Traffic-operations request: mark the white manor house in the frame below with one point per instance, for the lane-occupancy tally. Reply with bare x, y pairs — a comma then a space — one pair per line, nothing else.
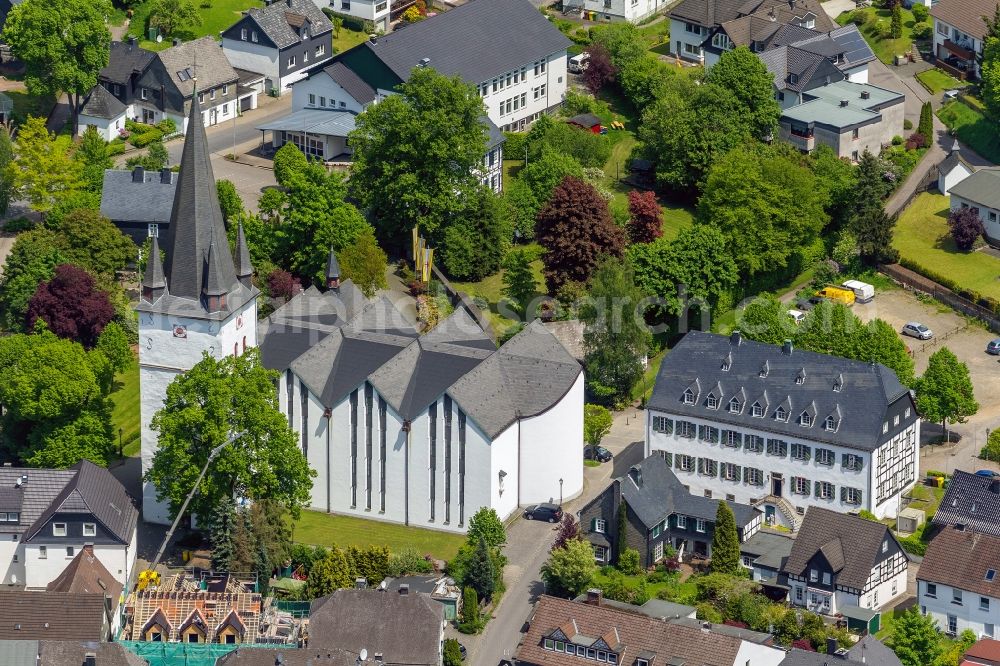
416, 429
783, 429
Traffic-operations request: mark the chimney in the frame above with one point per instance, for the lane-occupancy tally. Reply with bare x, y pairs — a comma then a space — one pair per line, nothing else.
177, 41
90, 659
378, 658
404, 589
133, 41
786, 348
735, 338
843, 103
960, 527
138, 175
360, 583
166, 175
595, 596
635, 473
865, 94
373, 38
831, 646
706, 627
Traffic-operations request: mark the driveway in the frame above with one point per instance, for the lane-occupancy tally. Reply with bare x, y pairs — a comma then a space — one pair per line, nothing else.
528, 545
835, 8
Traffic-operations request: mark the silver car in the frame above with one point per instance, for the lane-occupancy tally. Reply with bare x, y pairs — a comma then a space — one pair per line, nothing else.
917, 330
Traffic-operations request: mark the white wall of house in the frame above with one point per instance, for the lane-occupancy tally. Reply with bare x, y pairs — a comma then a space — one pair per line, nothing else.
618, 10
370, 10
947, 180
945, 31
319, 91
857, 74
881, 593
686, 39
514, 99
253, 57
107, 128
551, 449
756, 654
975, 612
989, 216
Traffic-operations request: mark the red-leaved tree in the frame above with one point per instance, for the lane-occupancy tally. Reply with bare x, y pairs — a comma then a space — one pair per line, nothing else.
71, 305
966, 227
576, 230
600, 70
569, 529
645, 217
282, 284
803, 644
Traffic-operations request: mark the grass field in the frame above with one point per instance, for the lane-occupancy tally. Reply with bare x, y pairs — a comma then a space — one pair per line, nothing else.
490, 289
325, 529
125, 415
348, 39
885, 48
973, 129
922, 237
218, 16
937, 81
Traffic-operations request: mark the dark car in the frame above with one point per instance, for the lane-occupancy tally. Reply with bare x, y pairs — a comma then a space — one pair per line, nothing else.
549, 512
993, 347
465, 653
599, 453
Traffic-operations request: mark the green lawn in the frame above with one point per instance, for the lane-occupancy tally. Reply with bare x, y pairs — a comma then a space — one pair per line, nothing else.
217, 17
26, 105
125, 414
922, 238
926, 499
348, 39
885, 48
644, 388
490, 289
937, 81
973, 129
325, 529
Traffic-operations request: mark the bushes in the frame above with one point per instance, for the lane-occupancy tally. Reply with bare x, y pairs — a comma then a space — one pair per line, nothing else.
921, 30
920, 13
628, 562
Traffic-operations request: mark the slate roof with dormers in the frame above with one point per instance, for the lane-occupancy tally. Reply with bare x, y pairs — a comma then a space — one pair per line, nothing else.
281, 21
961, 558
201, 58
851, 545
971, 500
125, 60
632, 635
867, 391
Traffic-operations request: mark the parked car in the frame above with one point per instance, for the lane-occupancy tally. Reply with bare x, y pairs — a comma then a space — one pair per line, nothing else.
993, 347
465, 653
917, 330
545, 511
578, 63
839, 294
988, 473
598, 453
798, 316
863, 292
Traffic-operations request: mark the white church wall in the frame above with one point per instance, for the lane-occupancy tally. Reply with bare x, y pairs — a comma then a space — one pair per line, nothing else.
503, 458
551, 446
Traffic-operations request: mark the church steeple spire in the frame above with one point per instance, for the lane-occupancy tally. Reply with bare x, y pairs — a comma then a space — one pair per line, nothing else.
153, 280
332, 271
244, 268
196, 223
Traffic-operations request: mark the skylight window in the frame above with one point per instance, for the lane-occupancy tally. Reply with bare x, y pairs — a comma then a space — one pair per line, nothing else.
990, 575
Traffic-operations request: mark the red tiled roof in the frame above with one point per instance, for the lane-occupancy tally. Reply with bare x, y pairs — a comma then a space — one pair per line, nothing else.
985, 650
960, 558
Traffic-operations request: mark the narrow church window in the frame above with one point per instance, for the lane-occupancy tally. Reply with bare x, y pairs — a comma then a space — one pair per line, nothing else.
354, 448
447, 459
461, 467
432, 453
244, 344
368, 445
236, 349
304, 396
381, 458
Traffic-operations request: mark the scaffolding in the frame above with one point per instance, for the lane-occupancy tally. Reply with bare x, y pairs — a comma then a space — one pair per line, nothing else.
185, 654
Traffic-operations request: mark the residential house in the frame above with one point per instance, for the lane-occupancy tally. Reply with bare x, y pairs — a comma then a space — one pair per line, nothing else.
660, 514
839, 562
971, 501
380, 13
783, 429
441, 589
695, 22
198, 608
981, 192
765, 554
564, 633
399, 627
58, 616
281, 41
953, 169
139, 202
797, 657
802, 59
86, 575
51, 515
873, 652
959, 31
518, 83
102, 111
67, 653
984, 652
957, 583
120, 77
167, 85
633, 11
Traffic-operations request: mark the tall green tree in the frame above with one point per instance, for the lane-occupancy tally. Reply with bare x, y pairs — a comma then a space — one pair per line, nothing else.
222, 533
91, 241
93, 155
480, 575
989, 77
519, 283
470, 621
170, 15
6, 177
416, 155
452, 653
596, 424
744, 74
216, 400
896, 21
64, 45
615, 338
33, 259
836, 179
473, 246
485, 524
229, 199
364, 263
926, 125
725, 542
766, 319
289, 161
569, 571
329, 574
915, 638
43, 171
944, 392
869, 223
880, 343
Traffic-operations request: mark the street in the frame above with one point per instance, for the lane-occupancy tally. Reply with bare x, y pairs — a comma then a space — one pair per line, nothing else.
220, 137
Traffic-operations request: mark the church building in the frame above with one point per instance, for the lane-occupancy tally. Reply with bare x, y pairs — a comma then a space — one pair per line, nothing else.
422, 430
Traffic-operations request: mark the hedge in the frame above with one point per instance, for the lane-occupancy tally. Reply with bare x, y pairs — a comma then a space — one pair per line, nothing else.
988, 302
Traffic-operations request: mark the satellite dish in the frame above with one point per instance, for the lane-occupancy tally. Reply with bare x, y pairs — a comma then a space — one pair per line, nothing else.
363, 654
159, 38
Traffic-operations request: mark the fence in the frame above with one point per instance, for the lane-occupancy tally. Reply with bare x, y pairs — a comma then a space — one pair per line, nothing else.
896, 204
298, 609
917, 282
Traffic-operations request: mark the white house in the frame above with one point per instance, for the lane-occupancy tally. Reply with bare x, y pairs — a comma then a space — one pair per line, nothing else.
958, 584
615, 10
379, 12
783, 429
981, 192
959, 31
104, 112
953, 169
200, 299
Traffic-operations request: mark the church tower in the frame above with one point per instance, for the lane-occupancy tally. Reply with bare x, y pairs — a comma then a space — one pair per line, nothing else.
195, 299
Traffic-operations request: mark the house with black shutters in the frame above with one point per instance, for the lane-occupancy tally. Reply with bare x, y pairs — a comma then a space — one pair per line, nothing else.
280, 41
659, 513
840, 561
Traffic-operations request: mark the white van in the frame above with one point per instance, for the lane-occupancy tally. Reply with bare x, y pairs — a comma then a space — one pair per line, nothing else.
578, 63
798, 316
863, 292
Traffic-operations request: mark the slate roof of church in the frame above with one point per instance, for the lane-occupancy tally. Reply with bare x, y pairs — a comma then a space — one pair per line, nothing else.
697, 361
971, 500
125, 200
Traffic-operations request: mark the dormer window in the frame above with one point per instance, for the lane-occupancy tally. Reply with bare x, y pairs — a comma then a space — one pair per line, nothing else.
793, 78
801, 377
805, 419
830, 424
734, 406
780, 414
712, 402
838, 383
764, 369
757, 410
727, 362
688, 397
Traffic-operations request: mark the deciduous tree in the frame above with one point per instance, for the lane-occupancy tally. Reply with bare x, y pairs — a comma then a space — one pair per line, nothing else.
544, 173
596, 424
944, 392
63, 44
219, 400
288, 162
576, 230
569, 570
93, 154
71, 306
43, 171
569, 529
645, 217
725, 542
170, 15
915, 638
229, 199
599, 72
766, 319
472, 247
879, 343
989, 77
745, 75
91, 241
282, 284
33, 259
6, 177
364, 262
966, 227
329, 574
485, 524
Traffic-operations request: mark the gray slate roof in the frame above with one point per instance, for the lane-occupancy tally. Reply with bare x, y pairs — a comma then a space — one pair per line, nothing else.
405, 629
102, 104
72, 653
125, 59
850, 544
149, 201
350, 82
970, 500
862, 402
205, 59
476, 41
797, 657
873, 652
769, 549
314, 121
982, 187
274, 20
244, 656
662, 494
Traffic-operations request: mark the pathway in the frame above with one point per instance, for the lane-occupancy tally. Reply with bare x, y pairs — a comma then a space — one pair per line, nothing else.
835, 8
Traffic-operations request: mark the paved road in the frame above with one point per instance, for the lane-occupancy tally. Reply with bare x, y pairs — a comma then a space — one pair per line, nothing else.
529, 543
220, 137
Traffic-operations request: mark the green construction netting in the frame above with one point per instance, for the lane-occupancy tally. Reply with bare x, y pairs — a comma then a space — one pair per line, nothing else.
186, 654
